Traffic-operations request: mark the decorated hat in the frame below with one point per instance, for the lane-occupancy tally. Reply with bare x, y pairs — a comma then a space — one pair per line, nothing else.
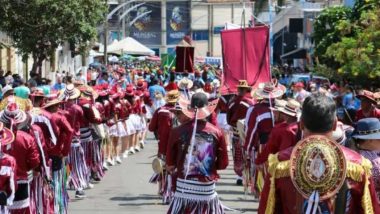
37, 92
13, 114
6, 89
199, 104
6, 135
141, 84
88, 92
185, 83
291, 108
70, 92
158, 165
317, 167
367, 95
367, 129
243, 84
270, 90
52, 103
339, 134
172, 96
129, 91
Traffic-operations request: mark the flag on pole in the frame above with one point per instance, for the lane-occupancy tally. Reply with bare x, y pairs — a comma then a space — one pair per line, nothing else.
245, 56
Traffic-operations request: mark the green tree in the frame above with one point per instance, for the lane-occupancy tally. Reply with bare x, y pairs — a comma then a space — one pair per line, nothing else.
326, 32
358, 52
38, 27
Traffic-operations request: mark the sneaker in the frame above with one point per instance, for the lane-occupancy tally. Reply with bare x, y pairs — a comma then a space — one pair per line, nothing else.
118, 160
90, 186
239, 182
105, 166
79, 194
125, 154
137, 149
132, 151
142, 144
110, 162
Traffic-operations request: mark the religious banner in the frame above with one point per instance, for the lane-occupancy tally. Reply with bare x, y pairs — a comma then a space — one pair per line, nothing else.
178, 21
146, 23
245, 56
184, 59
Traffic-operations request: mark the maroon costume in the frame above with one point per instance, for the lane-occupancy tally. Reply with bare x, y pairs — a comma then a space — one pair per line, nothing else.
282, 136
196, 168
8, 183
375, 112
288, 200
162, 122
237, 109
24, 149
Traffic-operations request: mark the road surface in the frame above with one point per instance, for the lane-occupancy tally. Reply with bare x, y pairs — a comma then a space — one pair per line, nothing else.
125, 189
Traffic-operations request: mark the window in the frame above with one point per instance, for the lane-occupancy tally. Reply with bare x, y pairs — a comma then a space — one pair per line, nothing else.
200, 35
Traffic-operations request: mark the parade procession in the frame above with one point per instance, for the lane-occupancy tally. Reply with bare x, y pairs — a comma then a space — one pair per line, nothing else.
161, 126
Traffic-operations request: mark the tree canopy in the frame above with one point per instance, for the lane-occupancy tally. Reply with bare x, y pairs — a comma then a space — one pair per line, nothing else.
38, 27
348, 40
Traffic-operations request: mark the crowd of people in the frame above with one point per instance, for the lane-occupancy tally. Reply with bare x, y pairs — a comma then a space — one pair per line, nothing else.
314, 149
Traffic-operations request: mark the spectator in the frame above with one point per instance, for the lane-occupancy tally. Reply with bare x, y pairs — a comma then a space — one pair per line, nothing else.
2, 78
32, 82
59, 85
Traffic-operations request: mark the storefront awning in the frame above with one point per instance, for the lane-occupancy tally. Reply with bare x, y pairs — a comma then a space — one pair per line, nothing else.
299, 53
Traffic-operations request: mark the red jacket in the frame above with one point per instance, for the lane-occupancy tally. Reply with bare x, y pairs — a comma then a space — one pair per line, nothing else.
259, 124
162, 123
8, 174
171, 86
289, 201
24, 150
65, 135
44, 120
281, 137
209, 151
74, 116
374, 113
237, 108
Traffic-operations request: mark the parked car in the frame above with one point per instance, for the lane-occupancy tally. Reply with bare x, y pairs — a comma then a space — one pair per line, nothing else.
319, 80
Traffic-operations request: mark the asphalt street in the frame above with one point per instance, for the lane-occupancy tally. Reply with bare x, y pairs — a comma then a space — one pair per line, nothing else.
125, 189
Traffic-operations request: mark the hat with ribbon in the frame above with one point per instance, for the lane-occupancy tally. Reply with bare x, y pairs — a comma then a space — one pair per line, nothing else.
317, 169
70, 93
51, 103
172, 96
370, 96
199, 107
243, 84
88, 92
13, 114
185, 83
270, 90
6, 136
367, 129
291, 108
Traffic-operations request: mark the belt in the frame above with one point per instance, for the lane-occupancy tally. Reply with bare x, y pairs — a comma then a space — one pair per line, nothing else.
22, 192
195, 190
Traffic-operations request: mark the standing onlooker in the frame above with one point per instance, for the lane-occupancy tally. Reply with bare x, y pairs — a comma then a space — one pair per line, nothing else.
59, 85
368, 106
2, 78
32, 82
367, 139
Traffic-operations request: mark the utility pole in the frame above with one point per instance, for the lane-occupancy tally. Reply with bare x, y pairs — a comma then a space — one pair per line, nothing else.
105, 41
163, 28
